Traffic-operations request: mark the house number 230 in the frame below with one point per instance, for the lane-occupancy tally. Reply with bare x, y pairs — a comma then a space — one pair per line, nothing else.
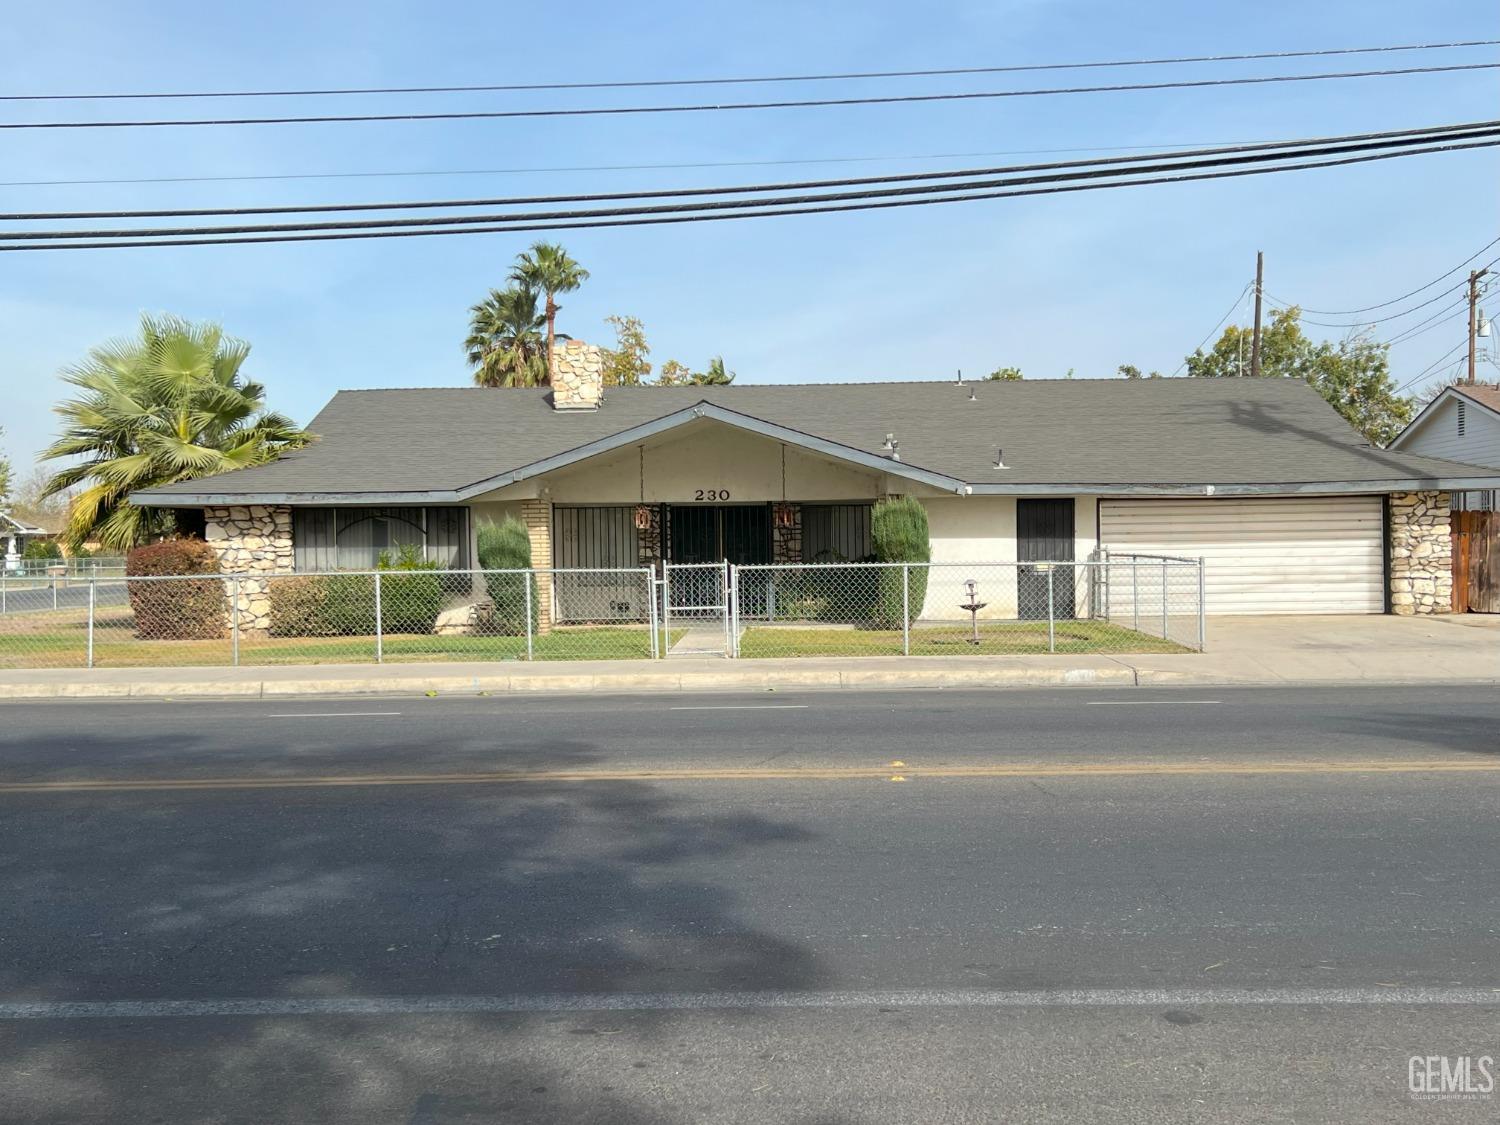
711, 494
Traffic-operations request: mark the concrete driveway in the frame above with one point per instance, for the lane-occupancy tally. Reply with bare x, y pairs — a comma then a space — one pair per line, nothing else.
1317, 649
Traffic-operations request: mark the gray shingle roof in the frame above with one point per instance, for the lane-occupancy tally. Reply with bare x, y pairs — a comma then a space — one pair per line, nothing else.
1105, 433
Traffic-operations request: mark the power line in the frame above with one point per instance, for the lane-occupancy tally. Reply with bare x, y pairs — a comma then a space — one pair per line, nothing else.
1404, 296
653, 217
1145, 149
1433, 366
1266, 150
740, 81
1489, 136
1209, 335
615, 111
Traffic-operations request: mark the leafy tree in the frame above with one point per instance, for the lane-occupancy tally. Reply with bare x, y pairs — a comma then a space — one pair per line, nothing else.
504, 345
1005, 375
7, 478
1352, 374
1131, 371
625, 364
171, 405
547, 269
716, 376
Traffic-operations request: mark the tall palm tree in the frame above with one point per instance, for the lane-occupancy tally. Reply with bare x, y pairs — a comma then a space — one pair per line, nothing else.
168, 406
504, 345
547, 268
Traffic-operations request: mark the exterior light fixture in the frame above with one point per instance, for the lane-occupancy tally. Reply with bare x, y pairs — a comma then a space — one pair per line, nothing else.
643, 517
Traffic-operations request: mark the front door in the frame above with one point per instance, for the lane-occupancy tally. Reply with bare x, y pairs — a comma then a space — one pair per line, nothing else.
712, 533
1044, 533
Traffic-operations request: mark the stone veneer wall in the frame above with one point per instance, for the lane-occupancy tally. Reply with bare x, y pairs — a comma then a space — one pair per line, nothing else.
252, 540
1421, 553
786, 542
577, 375
537, 516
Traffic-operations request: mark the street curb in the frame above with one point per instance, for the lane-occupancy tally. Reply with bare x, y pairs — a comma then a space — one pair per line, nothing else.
603, 682
743, 679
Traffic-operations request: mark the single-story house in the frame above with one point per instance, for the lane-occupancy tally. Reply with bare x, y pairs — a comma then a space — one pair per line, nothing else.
1461, 423
1294, 511
15, 534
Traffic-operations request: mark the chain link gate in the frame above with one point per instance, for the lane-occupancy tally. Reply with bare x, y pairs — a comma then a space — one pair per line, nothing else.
695, 600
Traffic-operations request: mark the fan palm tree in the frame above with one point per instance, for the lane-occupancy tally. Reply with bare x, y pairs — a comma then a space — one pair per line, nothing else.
168, 406
715, 376
547, 269
504, 345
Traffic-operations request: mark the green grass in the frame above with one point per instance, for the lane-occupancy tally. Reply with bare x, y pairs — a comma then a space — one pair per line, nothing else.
996, 638
117, 648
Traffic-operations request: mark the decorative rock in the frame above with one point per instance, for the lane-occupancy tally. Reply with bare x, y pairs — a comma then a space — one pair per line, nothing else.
1421, 553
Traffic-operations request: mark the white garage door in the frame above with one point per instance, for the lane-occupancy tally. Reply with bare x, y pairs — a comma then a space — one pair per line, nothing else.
1315, 555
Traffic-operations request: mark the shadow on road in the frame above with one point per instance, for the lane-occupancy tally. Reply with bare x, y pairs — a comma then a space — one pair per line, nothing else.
443, 890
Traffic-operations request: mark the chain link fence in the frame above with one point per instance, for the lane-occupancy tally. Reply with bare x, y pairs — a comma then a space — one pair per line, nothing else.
1120, 604
1115, 604
344, 617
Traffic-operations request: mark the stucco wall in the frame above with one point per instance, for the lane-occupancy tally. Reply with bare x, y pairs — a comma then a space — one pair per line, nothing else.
982, 529
702, 463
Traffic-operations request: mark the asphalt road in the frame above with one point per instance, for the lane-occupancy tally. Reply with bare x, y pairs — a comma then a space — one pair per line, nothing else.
1081, 905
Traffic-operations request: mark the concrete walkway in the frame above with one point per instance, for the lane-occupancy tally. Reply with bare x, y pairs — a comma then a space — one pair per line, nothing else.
1244, 651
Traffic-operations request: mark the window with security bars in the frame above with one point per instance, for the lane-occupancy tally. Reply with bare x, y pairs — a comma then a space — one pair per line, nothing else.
836, 533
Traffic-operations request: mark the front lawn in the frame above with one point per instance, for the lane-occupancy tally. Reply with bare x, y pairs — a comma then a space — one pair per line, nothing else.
996, 639
67, 647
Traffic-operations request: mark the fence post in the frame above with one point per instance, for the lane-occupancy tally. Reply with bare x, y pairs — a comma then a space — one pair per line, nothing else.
906, 609
726, 573
1164, 629
530, 627
234, 620
54, 591
379, 625
1051, 616
1202, 638
650, 577
1135, 593
734, 572
92, 587
2, 586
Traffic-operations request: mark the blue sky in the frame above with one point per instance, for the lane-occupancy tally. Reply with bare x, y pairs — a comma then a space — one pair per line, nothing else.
1084, 282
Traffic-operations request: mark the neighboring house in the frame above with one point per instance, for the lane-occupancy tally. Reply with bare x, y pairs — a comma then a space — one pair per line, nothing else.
1462, 423
1292, 509
15, 533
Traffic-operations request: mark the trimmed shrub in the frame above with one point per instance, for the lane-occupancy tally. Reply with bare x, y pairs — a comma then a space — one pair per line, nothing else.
180, 610
411, 594
898, 530
40, 550
506, 546
297, 607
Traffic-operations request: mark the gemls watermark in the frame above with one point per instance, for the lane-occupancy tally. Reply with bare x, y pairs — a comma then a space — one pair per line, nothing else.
1444, 1078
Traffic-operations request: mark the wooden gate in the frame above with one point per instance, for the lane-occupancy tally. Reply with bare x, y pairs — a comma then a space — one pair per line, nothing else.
1476, 562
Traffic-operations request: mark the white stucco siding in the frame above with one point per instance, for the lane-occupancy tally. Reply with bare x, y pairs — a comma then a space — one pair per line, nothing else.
709, 463
1438, 436
982, 529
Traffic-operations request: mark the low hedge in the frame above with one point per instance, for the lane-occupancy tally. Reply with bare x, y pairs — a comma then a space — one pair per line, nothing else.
341, 605
184, 608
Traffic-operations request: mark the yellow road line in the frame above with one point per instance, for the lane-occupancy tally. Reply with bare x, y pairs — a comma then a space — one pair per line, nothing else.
850, 773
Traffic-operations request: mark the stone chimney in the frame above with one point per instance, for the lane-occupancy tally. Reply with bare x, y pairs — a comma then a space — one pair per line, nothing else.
577, 375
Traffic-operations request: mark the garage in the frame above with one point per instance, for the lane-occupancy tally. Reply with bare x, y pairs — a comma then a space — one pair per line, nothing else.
1275, 555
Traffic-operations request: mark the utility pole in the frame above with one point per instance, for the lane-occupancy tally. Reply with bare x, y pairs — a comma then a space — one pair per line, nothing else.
1474, 276
1260, 273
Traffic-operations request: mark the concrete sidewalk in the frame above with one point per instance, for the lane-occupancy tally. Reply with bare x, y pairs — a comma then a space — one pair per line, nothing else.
1244, 651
